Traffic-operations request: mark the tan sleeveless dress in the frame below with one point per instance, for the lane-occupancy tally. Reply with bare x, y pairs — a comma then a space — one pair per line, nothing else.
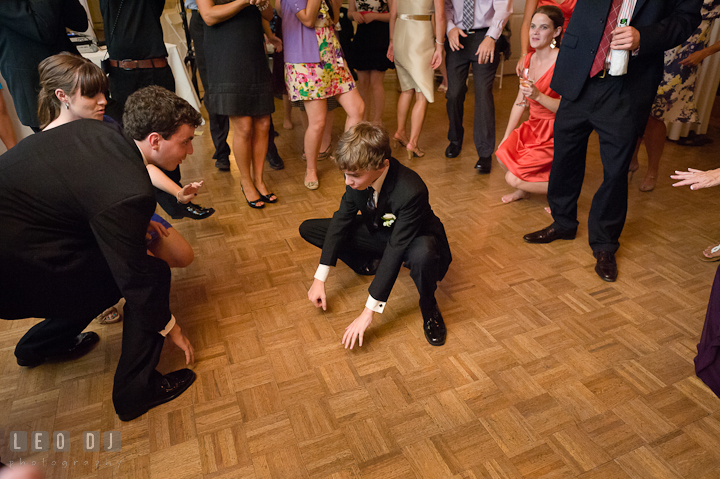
413, 46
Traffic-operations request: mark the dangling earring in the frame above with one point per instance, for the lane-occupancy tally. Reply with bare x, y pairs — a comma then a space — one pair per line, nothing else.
67, 105
553, 44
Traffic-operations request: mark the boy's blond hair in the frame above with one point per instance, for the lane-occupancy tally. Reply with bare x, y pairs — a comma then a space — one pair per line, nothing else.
363, 147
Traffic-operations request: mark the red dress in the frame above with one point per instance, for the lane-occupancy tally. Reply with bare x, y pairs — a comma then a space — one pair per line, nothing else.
528, 152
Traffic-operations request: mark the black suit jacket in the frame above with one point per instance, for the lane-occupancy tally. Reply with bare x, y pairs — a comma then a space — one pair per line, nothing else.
663, 24
75, 203
30, 31
404, 195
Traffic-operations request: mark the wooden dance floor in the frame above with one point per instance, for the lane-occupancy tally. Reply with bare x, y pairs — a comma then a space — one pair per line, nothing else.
547, 370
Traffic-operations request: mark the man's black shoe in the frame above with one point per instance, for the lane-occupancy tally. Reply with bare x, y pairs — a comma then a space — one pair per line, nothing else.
222, 164
84, 342
171, 386
453, 149
275, 162
369, 268
606, 267
433, 325
483, 165
548, 235
191, 210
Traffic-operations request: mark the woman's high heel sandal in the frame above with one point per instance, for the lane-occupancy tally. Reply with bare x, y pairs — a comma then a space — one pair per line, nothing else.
648, 183
631, 171
414, 152
253, 204
398, 142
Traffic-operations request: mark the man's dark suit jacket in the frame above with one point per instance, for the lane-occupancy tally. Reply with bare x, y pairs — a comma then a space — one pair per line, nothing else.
75, 203
31, 31
404, 195
663, 24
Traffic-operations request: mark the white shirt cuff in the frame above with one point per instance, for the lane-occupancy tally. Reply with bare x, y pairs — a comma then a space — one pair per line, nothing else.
169, 326
322, 272
375, 305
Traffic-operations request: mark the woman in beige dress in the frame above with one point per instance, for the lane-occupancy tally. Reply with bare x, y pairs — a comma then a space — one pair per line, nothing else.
417, 36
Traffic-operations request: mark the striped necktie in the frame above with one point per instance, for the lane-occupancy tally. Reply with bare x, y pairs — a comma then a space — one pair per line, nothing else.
602, 52
468, 14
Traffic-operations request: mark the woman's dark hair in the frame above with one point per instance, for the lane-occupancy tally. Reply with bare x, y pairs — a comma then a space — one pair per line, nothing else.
68, 73
555, 15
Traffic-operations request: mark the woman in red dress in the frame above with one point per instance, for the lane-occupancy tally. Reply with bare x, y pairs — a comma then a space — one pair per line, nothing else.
526, 153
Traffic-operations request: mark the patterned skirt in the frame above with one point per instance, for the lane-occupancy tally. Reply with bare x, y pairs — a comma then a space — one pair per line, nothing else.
315, 81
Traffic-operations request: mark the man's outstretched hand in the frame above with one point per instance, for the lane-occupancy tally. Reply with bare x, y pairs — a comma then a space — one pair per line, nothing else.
357, 328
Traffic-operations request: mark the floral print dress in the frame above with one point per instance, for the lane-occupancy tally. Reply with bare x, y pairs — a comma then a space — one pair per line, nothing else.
675, 100
330, 77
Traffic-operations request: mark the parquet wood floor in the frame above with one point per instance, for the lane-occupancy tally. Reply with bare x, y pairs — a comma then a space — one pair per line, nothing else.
547, 371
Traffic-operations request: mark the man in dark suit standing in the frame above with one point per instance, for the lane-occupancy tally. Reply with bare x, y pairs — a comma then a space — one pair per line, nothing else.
474, 37
396, 225
75, 204
31, 31
615, 107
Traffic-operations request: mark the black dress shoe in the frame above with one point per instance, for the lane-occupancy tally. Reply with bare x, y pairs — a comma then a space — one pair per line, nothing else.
548, 235
434, 326
84, 342
222, 164
369, 268
483, 165
275, 162
191, 210
453, 149
606, 267
171, 386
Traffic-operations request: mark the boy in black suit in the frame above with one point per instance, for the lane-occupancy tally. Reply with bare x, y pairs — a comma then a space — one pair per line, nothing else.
396, 225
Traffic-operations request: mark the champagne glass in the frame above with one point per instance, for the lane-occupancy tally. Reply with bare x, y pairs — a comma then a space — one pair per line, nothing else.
526, 82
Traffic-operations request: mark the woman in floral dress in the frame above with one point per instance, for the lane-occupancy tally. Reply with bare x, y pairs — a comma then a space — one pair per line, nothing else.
315, 70
675, 100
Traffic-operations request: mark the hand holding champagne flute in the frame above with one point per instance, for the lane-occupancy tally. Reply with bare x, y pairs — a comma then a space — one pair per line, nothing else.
525, 82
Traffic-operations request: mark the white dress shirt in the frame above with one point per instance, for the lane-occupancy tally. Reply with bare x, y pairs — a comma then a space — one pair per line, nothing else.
490, 14
324, 270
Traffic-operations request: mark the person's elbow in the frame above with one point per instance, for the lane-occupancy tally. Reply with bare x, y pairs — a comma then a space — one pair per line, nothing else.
308, 22
210, 20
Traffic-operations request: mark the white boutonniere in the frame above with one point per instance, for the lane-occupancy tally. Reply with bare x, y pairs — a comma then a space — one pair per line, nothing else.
388, 219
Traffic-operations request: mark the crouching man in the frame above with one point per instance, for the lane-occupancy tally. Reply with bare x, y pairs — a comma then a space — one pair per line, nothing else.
395, 226
75, 204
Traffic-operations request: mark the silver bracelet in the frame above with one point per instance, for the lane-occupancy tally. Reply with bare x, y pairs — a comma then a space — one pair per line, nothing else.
263, 6
439, 43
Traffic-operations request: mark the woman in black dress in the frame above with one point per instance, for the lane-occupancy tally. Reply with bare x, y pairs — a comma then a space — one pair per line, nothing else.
239, 84
368, 54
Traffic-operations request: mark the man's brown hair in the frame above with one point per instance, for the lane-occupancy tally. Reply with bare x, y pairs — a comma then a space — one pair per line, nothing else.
363, 147
154, 109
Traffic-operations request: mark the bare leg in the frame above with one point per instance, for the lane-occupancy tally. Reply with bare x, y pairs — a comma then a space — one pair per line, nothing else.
402, 113
524, 188
634, 163
363, 86
7, 132
416, 121
316, 114
243, 150
173, 249
327, 134
261, 128
655, 137
378, 95
287, 108
354, 107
